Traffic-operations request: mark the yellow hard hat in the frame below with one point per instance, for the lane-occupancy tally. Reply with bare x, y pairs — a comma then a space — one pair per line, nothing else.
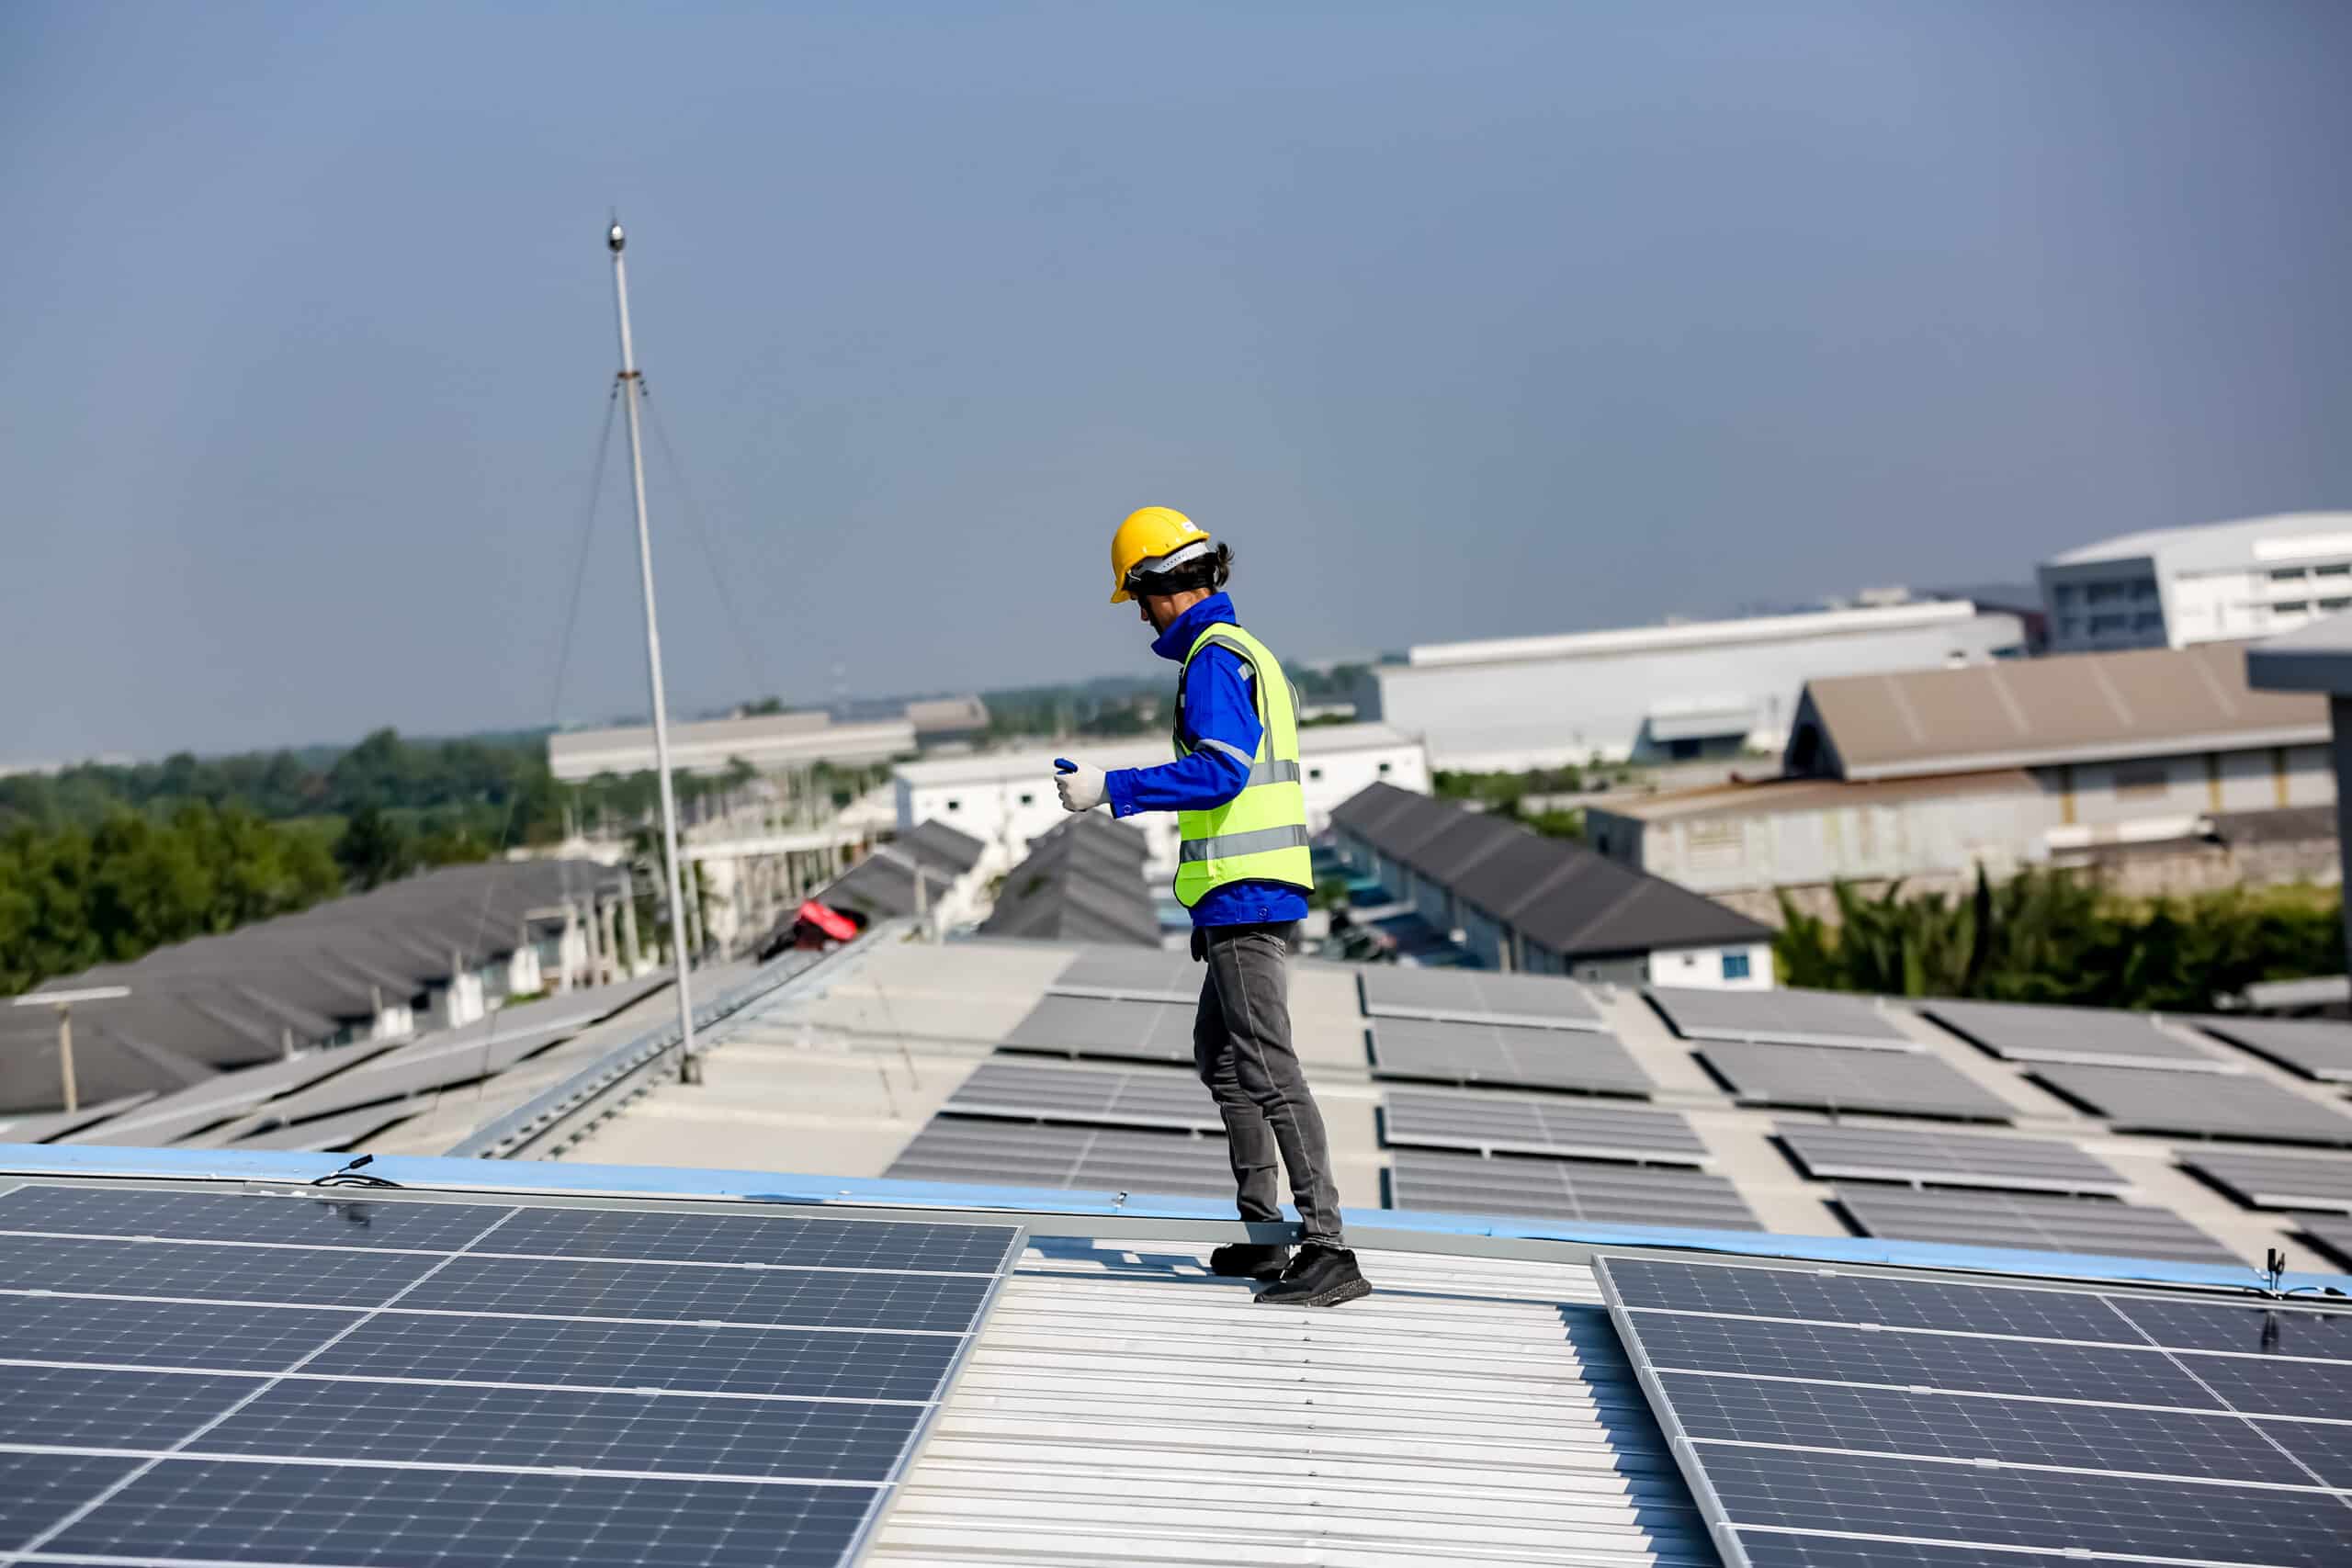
1155, 538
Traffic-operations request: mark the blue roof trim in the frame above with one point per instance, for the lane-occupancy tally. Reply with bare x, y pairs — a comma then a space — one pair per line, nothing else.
668, 1181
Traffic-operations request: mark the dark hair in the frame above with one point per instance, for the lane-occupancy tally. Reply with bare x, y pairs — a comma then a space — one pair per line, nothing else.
1209, 572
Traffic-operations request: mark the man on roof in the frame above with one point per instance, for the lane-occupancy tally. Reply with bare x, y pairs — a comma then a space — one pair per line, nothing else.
1244, 872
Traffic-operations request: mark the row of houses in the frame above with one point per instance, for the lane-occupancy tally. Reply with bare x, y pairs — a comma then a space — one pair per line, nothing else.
436, 951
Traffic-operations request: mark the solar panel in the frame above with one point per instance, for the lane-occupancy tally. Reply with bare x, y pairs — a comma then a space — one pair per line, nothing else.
2141, 1101
437, 1061
1896, 1083
1496, 1123
2276, 1181
2334, 1238
2098, 1036
1568, 1190
325, 1134
1464, 996
175, 1116
1785, 1017
58, 1126
1821, 1408
2313, 1047
1146, 1098
372, 1379
1093, 1159
1090, 1026
1930, 1154
2032, 1223
1582, 1060
1135, 974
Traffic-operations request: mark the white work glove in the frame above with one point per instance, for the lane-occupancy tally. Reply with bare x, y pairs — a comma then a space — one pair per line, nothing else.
1081, 786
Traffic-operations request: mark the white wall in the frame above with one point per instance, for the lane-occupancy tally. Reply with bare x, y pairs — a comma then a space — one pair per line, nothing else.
1552, 710
1716, 969
1008, 799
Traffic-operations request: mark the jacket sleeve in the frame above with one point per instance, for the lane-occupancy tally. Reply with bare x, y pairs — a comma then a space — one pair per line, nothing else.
1223, 721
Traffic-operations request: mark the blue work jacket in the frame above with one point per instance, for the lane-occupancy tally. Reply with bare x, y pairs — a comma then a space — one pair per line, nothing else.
1217, 706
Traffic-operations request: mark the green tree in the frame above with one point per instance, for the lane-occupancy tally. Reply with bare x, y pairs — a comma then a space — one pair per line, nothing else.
373, 850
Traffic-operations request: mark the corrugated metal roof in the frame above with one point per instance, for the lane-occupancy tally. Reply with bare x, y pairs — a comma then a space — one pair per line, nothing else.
2074, 707
1122, 1407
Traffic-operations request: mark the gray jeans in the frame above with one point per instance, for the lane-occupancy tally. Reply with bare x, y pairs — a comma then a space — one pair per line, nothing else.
1241, 1046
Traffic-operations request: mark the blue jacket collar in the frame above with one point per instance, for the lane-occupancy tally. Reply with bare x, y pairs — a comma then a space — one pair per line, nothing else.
1178, 639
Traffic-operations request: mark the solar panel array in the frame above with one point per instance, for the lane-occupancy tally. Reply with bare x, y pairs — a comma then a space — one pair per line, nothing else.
1497, 1123
1785, 1017
2030, 1223
1092, 1159
1899, 1083
1472, 996
2098, 1036
1566, 1189
1832, 1417
2276, 1181
1094, 1026
1148, 1097
1122, 973
1933, 1156
2137, 1099
2313, 1047
204, 1376
1583, 1060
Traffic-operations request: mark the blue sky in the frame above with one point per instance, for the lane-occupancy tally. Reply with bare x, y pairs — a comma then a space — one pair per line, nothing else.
1455, 319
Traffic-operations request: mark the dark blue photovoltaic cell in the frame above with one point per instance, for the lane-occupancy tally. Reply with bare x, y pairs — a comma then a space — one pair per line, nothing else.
2323, 1448
803, 1298
1946, 1425
1835, 1354
74, 1408
2269, 1331
2047, 1510
762, 1239
43, 1488
633, 1355
338, 1220
685, 1433
217, 1273
165, 1333
397, 1518
1895, 1302
2263, 1387
1777, 1551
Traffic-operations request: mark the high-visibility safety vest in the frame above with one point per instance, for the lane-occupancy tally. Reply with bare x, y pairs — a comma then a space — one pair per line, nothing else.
1261, 834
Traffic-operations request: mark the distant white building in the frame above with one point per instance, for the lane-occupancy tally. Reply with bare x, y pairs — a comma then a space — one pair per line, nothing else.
772, 743
1008, 797
2210, 582
1660, 694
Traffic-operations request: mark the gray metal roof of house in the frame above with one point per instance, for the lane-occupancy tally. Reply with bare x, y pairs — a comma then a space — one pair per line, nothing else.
1563, 896
1082, 881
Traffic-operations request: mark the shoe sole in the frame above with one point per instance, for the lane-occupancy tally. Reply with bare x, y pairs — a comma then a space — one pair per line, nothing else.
1354, 1290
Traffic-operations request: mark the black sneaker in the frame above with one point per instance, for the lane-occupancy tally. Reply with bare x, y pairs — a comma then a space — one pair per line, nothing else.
1318, 1277
1250, 1261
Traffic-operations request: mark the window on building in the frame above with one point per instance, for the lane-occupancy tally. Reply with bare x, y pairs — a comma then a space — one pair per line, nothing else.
2100, 592
2293, 606
2101, 624
1384, 767
2335, 603
2147, 621
2287, 574
1028, 800
2143, 589
2070, 625
2334, 568
1734, 966
2062, 594
954, 806
2141, 781
1314, 772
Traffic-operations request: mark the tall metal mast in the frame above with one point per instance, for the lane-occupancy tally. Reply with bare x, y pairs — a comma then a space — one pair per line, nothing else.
630, 389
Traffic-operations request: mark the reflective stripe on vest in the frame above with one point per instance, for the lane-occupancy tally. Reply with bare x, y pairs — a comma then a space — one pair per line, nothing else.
1261, 834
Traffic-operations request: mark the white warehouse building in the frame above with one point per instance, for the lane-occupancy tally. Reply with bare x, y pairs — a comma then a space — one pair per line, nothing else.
1007, 798
1660, 694
2210, 582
